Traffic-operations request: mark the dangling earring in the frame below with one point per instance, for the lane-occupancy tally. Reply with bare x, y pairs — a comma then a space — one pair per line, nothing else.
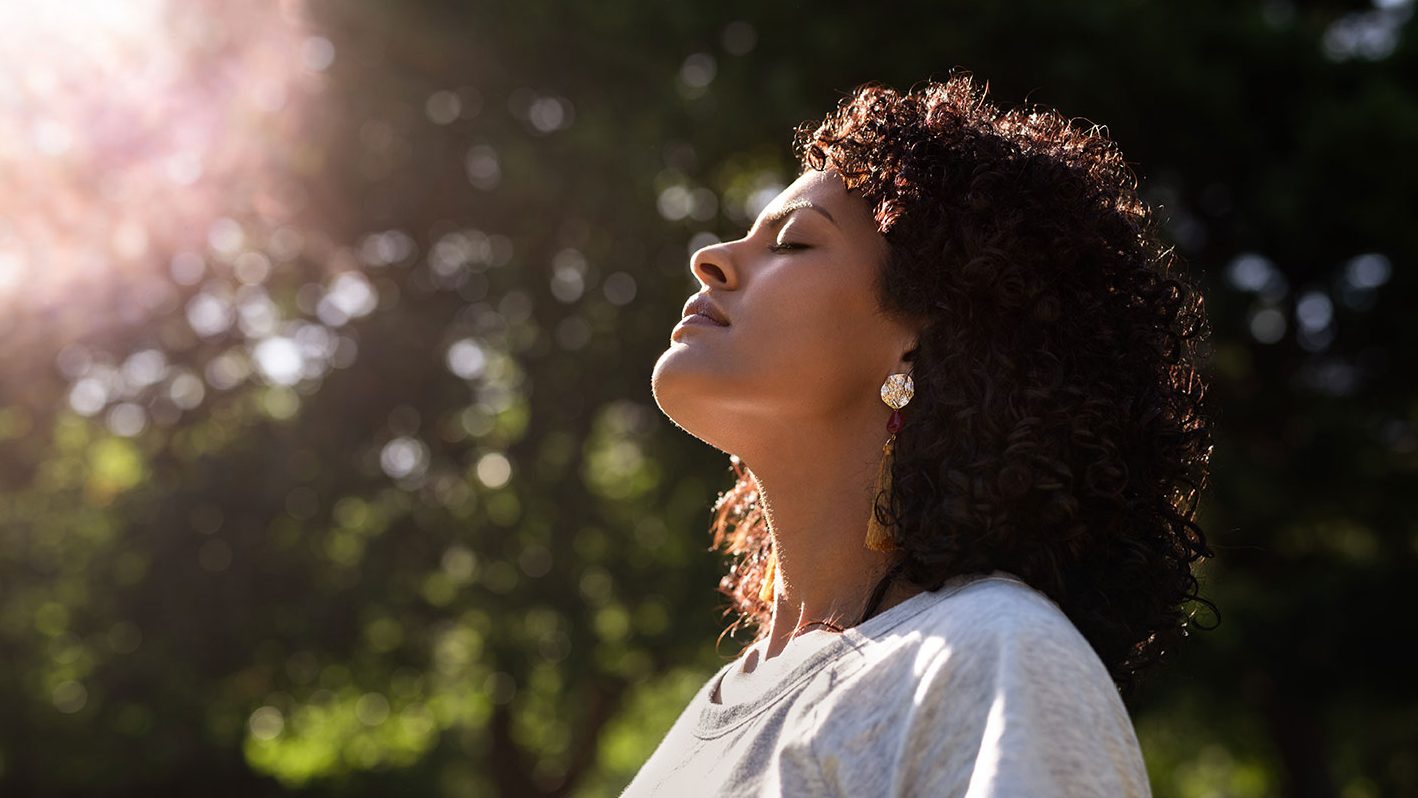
895, 392
768, 589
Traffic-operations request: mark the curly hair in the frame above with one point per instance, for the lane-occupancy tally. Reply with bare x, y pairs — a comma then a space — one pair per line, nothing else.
1059, 430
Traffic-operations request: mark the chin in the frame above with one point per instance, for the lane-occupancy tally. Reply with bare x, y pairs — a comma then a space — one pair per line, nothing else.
691, 398
674, 387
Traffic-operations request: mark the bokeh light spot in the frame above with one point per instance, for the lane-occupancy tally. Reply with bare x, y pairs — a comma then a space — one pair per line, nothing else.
404, 457
466, 359
69, 697
1267, 325
266, 723
494, 469
317, 53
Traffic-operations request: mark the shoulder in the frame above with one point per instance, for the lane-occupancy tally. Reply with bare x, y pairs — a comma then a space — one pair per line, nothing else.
990, 610
984, 685
984, 615
990, 629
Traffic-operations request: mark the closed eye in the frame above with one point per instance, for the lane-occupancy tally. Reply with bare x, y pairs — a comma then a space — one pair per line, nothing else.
786, 246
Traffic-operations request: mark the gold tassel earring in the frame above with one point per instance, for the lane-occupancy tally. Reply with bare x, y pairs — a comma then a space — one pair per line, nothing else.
895, 392
768, 589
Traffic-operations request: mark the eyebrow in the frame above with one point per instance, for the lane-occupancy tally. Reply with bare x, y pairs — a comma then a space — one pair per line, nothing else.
776, 218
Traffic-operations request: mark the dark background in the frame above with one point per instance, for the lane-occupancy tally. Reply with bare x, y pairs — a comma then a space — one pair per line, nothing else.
342, 476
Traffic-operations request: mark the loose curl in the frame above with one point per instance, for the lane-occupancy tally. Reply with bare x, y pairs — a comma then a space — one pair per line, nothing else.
1058, 430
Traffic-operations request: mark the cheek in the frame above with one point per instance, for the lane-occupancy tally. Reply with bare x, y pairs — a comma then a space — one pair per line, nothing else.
810, 339
795, 349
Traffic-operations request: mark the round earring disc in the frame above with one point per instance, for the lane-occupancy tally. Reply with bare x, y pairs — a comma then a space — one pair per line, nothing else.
897, 390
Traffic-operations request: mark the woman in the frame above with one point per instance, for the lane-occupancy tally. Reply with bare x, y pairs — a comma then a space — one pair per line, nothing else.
956, 373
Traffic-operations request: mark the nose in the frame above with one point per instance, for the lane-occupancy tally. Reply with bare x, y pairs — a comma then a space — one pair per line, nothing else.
713, 267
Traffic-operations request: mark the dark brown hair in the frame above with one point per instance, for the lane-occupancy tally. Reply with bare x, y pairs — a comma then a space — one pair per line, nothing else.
1058, 431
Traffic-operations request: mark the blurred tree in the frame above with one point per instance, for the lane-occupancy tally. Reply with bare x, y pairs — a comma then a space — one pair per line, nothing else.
364, 490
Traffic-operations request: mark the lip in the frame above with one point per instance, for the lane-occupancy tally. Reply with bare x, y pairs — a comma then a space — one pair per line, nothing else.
701, 305
694, 320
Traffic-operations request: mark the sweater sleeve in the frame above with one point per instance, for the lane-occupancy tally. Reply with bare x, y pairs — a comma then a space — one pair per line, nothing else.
1024, 709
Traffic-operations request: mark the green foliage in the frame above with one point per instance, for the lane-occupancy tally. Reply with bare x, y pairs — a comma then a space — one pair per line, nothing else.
461, 553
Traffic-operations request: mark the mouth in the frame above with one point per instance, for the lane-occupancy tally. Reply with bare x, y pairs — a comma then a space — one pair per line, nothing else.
702, 318
701, 306
695, 320
695, 324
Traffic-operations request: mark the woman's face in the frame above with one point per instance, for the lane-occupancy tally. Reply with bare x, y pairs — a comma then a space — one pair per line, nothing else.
805, 339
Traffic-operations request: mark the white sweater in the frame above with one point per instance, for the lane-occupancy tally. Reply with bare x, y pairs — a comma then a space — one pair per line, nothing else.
981, 688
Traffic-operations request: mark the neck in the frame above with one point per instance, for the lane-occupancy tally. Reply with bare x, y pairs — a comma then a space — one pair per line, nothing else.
816, 492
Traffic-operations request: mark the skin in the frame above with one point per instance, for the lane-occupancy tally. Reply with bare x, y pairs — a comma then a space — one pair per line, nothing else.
792, 387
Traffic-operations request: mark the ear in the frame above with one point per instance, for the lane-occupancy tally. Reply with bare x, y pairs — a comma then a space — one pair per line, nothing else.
908, 333
910, 347
906, 363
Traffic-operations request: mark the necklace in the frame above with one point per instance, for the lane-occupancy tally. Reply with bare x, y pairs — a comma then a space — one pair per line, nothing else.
834, 627
877, 594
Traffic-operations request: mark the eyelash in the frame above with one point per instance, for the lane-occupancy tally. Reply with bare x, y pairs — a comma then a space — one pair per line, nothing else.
785, 247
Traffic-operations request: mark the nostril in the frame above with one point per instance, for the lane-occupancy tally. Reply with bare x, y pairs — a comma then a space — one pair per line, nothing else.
715, 271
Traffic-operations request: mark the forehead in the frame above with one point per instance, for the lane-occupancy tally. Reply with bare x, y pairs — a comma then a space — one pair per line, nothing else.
826, 190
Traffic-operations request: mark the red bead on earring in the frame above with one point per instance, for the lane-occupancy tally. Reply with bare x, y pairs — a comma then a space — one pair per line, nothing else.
893, 424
